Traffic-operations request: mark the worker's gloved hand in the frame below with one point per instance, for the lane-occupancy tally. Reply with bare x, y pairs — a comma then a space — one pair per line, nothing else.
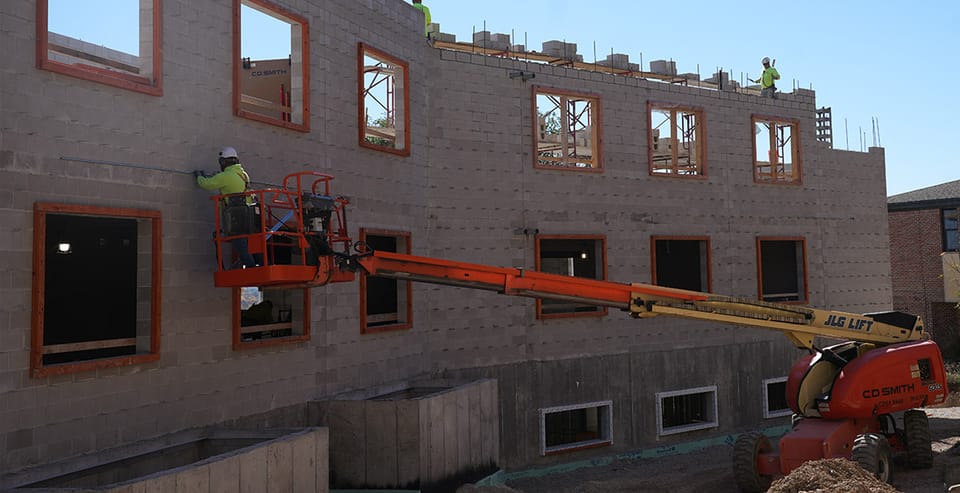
198, 173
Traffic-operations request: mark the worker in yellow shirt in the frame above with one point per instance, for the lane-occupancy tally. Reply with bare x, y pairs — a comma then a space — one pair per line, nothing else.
768, 86
232, 179
426, 16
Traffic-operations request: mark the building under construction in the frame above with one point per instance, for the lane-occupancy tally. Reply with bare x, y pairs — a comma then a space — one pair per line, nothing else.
115, 344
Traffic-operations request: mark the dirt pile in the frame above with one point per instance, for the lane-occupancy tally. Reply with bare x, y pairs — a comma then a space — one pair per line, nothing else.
830, 476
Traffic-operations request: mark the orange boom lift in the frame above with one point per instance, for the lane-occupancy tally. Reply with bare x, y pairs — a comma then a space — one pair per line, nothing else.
843, 396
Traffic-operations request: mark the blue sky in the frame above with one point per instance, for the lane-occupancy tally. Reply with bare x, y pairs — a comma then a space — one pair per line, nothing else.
889, 61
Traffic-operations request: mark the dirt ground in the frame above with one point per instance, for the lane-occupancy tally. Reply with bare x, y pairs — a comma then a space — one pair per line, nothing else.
710, 470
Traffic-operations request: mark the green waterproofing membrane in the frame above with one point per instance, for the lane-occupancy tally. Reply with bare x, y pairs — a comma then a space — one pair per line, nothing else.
501, 477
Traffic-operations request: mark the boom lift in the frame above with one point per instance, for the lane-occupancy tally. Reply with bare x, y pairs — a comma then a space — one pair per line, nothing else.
843, 396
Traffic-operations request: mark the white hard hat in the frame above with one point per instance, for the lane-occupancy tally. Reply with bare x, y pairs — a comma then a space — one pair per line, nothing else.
765, 60
228, 152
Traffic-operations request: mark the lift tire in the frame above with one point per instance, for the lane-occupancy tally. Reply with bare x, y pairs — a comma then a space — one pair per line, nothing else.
872, 452
917, 429
745, 452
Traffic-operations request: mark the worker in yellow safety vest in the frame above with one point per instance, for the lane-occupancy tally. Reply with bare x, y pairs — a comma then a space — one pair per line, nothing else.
230, 180
426, 16
768, 86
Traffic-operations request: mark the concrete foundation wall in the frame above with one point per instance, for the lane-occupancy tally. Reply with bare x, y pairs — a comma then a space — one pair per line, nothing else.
464, 193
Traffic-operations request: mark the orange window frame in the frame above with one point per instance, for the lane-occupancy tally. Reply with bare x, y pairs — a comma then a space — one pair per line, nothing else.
41, 209
238, 342
152, 85
596, 124
602, 246
304, 66
653, 257
364, 50
401, 236
796, 169
805, 298
700, 133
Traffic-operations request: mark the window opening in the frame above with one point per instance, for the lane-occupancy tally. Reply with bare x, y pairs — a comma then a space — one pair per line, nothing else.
775, 398
682, 263
676, 141
126, 54
776, 157
567, 129
271, 82
579, 256
687, 410
96, 293
271, 316
782, 270
384, 91
949, 227
576, 427
386, 304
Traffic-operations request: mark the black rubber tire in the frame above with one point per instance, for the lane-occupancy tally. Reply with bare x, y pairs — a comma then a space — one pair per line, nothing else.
872, 452
917, 430
745, 451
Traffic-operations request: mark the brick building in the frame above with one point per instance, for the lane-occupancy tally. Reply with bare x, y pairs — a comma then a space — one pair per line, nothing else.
924, 259
444, 152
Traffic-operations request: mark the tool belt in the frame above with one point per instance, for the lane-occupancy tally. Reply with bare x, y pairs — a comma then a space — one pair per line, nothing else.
238, 217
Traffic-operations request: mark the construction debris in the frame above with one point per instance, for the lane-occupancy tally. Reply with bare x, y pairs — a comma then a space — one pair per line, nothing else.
830, 476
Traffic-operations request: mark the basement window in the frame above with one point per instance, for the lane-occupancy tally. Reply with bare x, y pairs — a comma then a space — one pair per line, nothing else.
776, 151
385, 304
576, 427
681, 262
270, 316
384, 91
96, 289
570, 255
775, 398
687, 410
676, 140
126, 54
948, 221
271, 65
566, 130
783, 273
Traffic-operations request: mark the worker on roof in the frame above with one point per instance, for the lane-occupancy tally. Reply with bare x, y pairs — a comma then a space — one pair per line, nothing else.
768, 86
426, 16
232, 179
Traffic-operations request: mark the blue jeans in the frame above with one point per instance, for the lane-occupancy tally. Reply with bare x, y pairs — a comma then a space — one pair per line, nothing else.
769, 92
242, 251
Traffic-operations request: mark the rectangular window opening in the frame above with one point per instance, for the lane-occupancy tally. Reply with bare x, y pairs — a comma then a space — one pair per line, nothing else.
384, 91
267, 316
676, 141
783, 273
71, 41
97, 287
687, 410
573, 255
776, 152
385, 304
576, 427
682, 263
271, 77
566, 130
949, 227
775, 398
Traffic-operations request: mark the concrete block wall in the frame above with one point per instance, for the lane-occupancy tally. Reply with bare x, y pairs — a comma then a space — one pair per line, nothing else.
466, 189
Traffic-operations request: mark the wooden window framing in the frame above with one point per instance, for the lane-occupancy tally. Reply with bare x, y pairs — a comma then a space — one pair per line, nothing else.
774, 413
280, 331
779, 138
802, 295
386, 84
676, 400
682, 152
705, 263
598, 257
147, 347
389, 322
558, 128
144, 76
293, 110
600, 436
